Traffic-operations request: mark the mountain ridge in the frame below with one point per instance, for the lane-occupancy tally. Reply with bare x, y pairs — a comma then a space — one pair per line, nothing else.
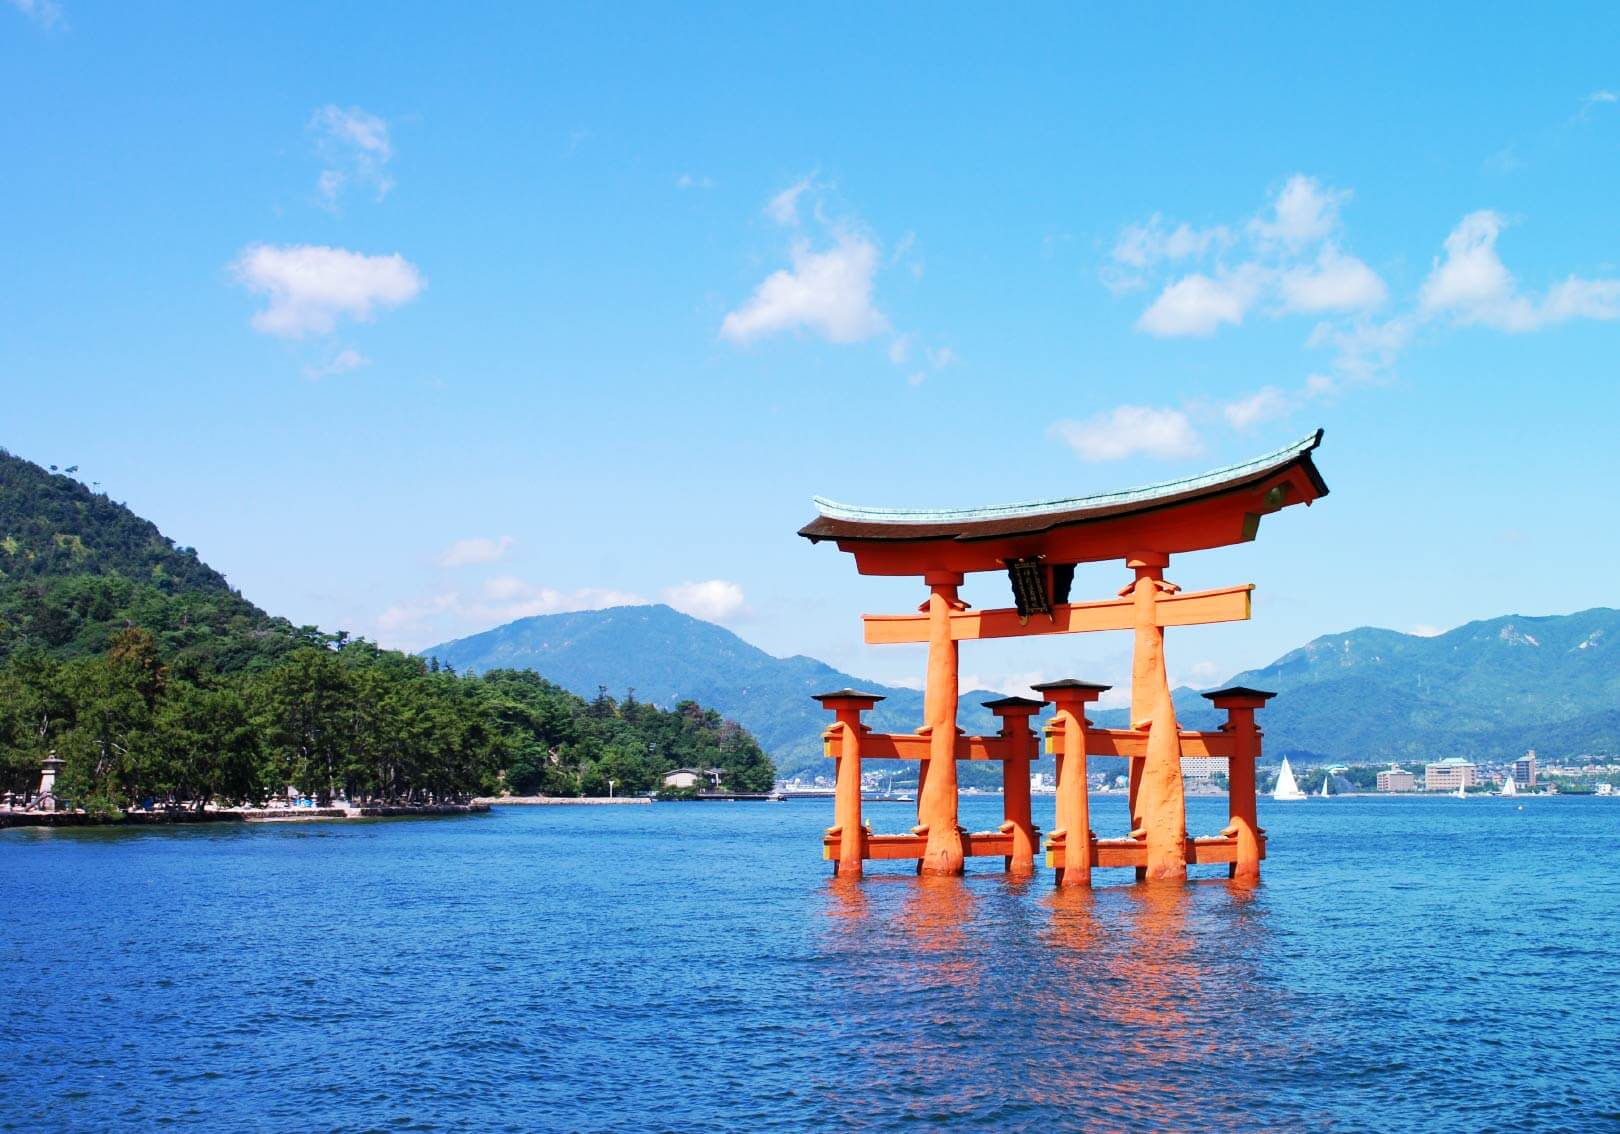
1489, 689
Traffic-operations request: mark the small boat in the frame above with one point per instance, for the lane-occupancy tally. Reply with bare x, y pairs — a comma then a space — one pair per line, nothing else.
1509, 787
1461, 792
1286, 787
1323, 794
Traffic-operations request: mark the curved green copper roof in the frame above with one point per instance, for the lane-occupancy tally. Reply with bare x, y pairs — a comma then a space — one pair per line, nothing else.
1144, 495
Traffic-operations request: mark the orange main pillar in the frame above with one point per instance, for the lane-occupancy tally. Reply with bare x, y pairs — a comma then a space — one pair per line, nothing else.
936, 791
846, 734
1073, 835
1014, 714
1160, 815
1244, 826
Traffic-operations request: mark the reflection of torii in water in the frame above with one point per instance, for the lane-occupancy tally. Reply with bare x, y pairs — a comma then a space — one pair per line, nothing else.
1039, 545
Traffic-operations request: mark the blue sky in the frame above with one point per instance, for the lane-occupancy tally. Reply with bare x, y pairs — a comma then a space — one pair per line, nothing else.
415, 320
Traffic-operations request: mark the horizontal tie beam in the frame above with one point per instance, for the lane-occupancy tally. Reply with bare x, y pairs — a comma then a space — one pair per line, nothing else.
1132, 743
1128, 743
1198, 608
916, 746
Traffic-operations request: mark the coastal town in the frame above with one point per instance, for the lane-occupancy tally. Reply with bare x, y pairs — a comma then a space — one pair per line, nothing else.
1206, 775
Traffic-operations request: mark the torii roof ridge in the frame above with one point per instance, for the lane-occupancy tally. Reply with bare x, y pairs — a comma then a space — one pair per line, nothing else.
1127, 500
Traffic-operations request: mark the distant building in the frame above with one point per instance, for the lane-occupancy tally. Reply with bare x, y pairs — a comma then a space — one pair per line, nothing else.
1396, 779
1450, 774
1200, 769
1524, 769
693, 777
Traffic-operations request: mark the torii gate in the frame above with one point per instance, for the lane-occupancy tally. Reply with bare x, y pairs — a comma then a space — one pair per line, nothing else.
1038, 546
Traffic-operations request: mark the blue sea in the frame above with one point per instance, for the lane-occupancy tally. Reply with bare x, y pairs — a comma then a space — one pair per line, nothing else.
1409, 964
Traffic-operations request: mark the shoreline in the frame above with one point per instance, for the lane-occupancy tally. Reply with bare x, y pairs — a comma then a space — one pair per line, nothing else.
10, 819
560, 800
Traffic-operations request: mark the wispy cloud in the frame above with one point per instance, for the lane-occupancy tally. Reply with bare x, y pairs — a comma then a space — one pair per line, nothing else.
476, 549
342, 362
310, 287
355, 148
1127, 431
693, 181
46, 13
783, 207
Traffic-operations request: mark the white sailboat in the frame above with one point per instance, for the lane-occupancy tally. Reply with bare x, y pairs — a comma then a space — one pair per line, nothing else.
1461, 792
1286, 787
1323, 794
1509, 787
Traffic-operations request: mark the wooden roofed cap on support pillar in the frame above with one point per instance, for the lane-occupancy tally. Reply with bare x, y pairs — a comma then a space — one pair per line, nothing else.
1238, 696
1211, 510
846, 695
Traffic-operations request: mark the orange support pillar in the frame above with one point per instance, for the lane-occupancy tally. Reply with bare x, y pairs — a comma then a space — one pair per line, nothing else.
936, 792
1160, 815
1014, 714
846, 733
1073, 835
1244, 826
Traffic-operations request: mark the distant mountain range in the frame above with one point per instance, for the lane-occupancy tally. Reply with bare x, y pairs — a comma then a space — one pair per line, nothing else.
1486, 689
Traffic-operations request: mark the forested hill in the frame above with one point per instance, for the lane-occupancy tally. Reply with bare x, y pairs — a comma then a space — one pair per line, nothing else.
1491, 688
156, 683
76, 569
54, 526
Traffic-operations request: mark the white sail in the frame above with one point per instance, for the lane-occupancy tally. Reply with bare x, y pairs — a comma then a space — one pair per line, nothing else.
1286, 787
1461, 792
1326, 776
1509, 787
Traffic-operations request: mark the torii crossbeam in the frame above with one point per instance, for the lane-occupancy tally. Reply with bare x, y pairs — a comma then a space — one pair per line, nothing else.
1038, 545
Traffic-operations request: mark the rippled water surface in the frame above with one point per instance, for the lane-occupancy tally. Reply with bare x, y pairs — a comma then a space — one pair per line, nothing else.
1409, 964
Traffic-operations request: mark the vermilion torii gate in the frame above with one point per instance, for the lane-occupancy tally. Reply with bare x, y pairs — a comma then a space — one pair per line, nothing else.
1038, 546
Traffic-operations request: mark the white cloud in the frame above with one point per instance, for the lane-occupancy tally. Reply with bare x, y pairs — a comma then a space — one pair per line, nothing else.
900, 349
1336, 282
1146, 243
784, 207
355, 145
1365, 351
1598, 98
311, 286
716, 600
693, 181
1472, 286
1320, 386
46, 13
1197, 305
827, 292
942, 357
1128, 430
477, 549
1263, 405
342, 362
1424, 630
1302, 212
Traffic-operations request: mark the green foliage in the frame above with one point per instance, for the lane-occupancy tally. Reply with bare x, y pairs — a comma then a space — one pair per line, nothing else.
562, 744
158, 685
